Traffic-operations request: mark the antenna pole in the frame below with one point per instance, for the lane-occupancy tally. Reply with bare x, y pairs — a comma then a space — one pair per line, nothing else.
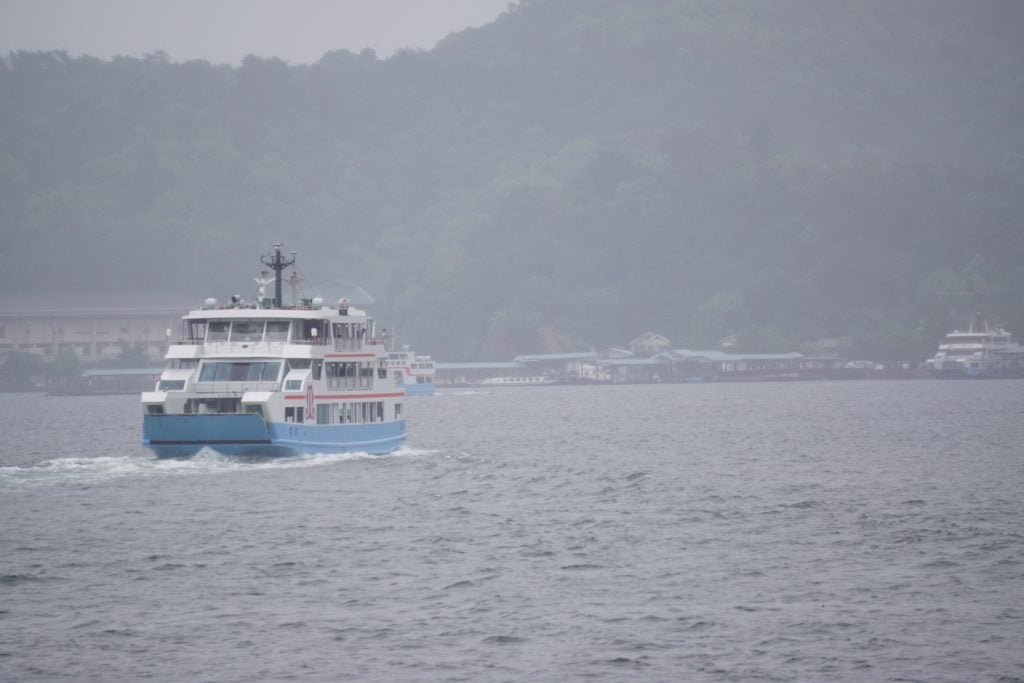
277, 263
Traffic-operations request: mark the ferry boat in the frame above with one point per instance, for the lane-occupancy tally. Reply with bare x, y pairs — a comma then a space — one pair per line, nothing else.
268, 379
412, 371
979, 351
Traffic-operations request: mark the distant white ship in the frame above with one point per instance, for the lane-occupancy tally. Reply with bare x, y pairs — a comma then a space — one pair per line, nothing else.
414, 372
517, 381
978, 352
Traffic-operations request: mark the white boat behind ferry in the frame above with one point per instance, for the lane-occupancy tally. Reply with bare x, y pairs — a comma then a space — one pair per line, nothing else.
412, 371
267, 379
517, 381
979, 351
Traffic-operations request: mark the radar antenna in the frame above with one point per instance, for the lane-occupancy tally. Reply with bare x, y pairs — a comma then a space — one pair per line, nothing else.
277, 263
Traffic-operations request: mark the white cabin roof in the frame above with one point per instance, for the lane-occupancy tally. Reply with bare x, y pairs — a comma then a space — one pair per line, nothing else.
271, 313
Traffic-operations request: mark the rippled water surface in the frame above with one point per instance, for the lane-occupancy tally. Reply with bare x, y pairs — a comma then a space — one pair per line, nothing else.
854, 531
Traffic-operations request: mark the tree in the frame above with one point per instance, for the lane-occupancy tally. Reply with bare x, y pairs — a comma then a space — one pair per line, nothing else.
18, 369
66, 367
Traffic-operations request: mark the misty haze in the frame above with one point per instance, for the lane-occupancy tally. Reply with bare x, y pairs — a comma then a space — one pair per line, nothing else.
549, 339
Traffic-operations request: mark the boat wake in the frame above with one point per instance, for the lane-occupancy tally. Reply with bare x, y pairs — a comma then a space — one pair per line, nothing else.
82, 470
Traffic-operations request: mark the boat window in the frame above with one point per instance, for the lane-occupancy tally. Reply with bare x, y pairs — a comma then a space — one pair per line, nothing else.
277, 330
215, 372
365, 375
240, 372
313, 331
247, 330
298, 363
253, 371
209, 406
197, 330
293, 385
217, 331
206, 374
171, 385
270, 372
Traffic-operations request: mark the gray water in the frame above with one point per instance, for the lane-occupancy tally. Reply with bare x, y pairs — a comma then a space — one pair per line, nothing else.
843, 531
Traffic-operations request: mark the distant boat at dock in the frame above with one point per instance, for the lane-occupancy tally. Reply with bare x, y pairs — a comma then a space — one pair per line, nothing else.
979, 352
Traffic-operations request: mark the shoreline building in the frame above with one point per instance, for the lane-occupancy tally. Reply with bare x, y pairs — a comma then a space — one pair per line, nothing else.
95, 334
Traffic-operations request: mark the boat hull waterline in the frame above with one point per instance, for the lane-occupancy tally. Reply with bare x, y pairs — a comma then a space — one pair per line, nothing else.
184, 435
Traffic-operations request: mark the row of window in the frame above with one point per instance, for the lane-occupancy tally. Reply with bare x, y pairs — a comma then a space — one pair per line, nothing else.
353, 375
347, 335
355, 412
259, 371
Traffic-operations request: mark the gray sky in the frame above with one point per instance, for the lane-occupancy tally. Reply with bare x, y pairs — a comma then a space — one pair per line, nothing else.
224, 31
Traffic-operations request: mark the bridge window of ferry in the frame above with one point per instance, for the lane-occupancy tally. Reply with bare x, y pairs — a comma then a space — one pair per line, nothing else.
256, 372
311, 326
197, 330
215, 372
247, 330
277, 330
341, 335
217, 331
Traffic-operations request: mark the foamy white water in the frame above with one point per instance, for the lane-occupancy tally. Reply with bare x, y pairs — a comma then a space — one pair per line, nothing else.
94, 469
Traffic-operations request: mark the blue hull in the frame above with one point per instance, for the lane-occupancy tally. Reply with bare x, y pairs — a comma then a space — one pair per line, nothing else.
184, 435
419, 389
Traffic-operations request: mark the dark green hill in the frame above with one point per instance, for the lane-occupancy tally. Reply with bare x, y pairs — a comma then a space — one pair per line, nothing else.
571, 175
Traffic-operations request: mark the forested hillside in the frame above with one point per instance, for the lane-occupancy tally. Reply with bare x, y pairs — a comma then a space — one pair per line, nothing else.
572, 175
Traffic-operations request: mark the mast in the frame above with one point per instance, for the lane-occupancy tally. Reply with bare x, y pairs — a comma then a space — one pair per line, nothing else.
277, 263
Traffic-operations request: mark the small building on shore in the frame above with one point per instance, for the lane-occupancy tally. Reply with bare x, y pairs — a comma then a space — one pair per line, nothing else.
649, 344
94, 334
